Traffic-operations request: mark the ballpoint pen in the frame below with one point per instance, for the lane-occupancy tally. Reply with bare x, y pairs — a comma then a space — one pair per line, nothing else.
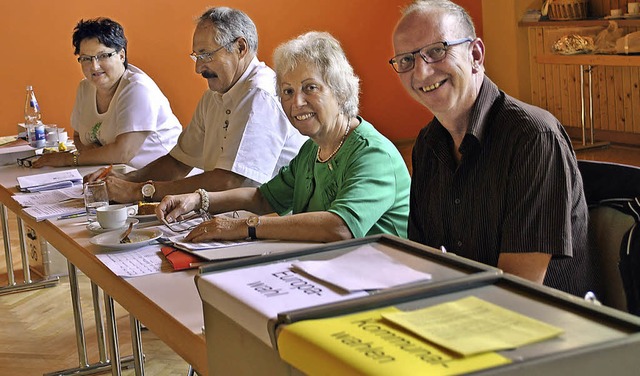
69, 216
104, 173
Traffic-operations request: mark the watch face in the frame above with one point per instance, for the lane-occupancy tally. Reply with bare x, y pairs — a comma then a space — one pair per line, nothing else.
148, 190
253, 221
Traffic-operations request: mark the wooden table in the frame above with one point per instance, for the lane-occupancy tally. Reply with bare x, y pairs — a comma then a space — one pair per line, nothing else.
166, 303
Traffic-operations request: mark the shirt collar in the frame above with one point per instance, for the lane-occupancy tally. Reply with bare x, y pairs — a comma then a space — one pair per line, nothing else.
479, 120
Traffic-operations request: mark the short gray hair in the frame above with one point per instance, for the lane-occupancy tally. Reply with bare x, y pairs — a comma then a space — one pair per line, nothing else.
450, 8
323, 50
231, 24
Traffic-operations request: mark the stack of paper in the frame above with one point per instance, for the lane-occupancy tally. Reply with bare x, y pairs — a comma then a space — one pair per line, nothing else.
42, 212
49, 181
48, 197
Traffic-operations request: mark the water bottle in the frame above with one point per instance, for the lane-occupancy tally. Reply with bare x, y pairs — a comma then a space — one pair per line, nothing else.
33, 120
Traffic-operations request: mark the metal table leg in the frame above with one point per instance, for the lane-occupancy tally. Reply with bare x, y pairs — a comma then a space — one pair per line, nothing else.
583, 109
136, 342
84, 368
112, 335
28, 284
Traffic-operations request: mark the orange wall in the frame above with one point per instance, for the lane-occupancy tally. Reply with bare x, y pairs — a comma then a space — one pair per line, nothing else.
35, 40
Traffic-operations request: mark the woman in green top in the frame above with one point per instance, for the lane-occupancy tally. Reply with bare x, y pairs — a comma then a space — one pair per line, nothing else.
347, 181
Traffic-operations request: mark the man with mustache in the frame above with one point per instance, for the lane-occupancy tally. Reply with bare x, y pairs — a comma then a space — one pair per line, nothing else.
238, 134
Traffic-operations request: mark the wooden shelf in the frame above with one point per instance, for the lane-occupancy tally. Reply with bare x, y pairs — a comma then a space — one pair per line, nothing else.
590, 59
582, 23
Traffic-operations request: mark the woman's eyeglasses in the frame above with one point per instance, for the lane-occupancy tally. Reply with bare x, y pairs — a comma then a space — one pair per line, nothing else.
27, 161
100, 58
187, 223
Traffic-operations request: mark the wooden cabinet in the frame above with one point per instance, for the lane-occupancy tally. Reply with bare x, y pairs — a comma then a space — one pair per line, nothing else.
600, 91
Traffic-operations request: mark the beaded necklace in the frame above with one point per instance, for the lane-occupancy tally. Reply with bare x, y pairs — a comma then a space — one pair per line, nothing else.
344, 137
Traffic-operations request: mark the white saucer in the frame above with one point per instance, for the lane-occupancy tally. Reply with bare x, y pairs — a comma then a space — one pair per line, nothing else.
97, 229
139, 238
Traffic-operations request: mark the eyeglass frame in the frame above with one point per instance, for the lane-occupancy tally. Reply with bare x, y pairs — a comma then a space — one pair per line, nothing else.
205, 216
207, 57
26, 161
446, 45
100, 58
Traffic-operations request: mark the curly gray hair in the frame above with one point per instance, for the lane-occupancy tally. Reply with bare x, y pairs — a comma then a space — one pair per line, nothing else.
323, 50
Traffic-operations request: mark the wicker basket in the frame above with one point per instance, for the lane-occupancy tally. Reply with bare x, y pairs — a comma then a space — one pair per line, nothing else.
562, 10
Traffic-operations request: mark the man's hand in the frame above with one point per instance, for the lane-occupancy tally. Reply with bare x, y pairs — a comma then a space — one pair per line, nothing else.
123, 191
98, 175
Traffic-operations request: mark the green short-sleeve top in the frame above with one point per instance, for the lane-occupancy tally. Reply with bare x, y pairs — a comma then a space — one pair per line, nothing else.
366, 183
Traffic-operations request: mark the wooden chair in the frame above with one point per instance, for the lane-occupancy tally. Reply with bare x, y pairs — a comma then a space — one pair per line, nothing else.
613, 194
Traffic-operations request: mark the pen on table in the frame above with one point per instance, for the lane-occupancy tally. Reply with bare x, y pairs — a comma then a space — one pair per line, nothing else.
69, 216
105, 172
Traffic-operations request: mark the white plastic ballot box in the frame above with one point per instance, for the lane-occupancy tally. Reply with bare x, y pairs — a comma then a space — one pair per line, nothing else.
239, 328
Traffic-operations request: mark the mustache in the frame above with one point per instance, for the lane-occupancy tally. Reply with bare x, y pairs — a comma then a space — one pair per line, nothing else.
209, 74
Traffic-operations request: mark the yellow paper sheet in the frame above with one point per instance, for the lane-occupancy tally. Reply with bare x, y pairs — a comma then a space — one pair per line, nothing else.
365, 344
471, 326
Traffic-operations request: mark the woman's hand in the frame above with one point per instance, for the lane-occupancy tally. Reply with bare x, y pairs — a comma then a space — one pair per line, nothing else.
54, 160
173, 206
218, 228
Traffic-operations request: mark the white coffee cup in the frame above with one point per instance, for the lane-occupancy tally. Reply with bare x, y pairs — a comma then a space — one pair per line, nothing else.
634, 8
616, 12
114, 216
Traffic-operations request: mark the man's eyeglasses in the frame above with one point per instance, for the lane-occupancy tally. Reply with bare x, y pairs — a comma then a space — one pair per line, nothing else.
100, 58
430, 54
27, 161
206, 57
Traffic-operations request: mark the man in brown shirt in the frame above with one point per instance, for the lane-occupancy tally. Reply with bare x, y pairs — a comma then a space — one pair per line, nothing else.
494, 179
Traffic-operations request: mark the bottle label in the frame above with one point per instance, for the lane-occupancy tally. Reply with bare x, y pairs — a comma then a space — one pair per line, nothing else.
36, 136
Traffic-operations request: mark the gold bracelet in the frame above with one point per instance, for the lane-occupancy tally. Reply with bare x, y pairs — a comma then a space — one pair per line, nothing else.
75, 157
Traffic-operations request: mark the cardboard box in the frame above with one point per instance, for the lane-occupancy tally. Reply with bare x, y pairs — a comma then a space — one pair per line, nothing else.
44, 259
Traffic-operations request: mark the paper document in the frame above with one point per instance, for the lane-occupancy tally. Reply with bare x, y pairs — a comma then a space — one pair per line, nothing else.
50, 180
187, 246
137, 262
366, 268
471, 325
48, 197
253, 295
365, 344
42, 212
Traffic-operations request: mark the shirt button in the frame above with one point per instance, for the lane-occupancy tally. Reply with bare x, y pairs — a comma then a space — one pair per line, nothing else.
456, 201
459, 243
228, 112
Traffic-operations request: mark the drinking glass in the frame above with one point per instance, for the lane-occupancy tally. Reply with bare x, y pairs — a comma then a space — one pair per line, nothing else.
95, 196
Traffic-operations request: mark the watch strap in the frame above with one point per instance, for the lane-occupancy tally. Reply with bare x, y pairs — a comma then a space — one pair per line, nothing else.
252, 233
